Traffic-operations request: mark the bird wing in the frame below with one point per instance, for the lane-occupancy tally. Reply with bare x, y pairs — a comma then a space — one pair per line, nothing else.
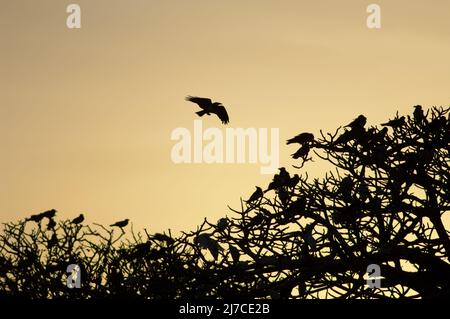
222, 114
201, 101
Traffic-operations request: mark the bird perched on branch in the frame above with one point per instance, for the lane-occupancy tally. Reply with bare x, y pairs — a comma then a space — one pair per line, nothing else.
204, 241
35, 218
163, 238
49, 213
78, 220
121, 223
209, 107
51, 224
301, 152
301, 138
395, 123
357, 123
257, 194
419, 117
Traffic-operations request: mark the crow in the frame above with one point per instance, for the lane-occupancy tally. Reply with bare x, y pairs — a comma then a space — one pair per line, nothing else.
53, 241
359, 122
395, 123
222, 224
78, 220
234, 253
51, 224
301, 138
419, 117
209, 107
121, 223
256, 195
49, 213
35, 218
301, 152
163, 238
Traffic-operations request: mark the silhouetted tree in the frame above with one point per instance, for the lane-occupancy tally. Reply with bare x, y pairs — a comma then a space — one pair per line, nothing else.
300, 238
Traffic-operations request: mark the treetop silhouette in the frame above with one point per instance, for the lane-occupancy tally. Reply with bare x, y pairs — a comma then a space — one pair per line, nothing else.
302, 237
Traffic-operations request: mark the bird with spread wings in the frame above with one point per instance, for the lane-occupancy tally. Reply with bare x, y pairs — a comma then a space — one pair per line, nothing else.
209, 107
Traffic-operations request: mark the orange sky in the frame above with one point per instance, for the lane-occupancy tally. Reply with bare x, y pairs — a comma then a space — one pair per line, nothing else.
86, 115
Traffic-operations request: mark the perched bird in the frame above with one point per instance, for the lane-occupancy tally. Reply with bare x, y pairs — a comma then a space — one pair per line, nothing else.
283, 196
49, 213
222, 224
35, 218
234, 253
78, 220
164, 238
279, 180
258, 193
345, 186
121, 223
53, 241
359, 122
345, 137
419, 117
209, 107
301, 152
395, 123
51, 224
294, 180
302, 138
204, 241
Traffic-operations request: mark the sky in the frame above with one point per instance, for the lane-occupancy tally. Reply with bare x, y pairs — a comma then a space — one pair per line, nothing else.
86, 114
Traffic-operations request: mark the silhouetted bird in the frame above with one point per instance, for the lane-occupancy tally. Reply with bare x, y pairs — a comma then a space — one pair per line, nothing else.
208, 107
359, 122
345, 137
222, 224
256, 195
234, 253
419, 117
164, 238
120, 224
395, 123
302, 138
301, 152
53, 241
51, 224
78, 220
283, 195
204, 241
345, 186
294, 180
379, 136
49, 213
35, 218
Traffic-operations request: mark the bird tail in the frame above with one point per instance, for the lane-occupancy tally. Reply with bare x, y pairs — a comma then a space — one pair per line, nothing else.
290, 141
201, 113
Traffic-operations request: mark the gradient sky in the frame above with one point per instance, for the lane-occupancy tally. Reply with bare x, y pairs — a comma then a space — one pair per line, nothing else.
86, 115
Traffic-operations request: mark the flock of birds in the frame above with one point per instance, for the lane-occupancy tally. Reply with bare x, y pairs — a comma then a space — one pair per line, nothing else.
280, 182
51, 213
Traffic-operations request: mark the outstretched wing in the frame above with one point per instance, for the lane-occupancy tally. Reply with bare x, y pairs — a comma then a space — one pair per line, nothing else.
201, 101
222, 113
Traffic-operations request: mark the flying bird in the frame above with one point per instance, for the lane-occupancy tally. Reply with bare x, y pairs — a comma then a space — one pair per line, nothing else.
78, 220
209, 107
120, 224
